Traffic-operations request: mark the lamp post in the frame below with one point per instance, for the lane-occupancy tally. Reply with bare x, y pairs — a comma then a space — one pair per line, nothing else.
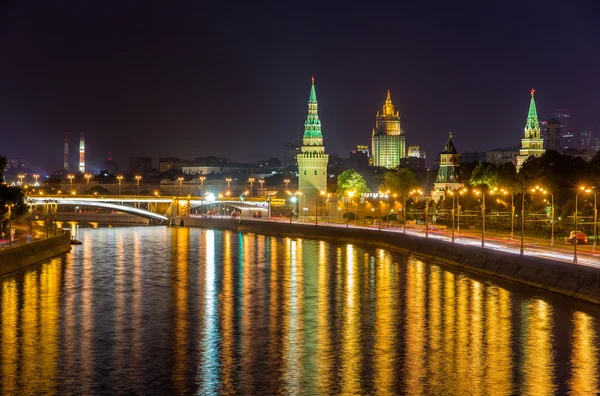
287, 182
36, 177
350, 195
453, 194
404, 213
512, 210
138, 178
202, 178
119, 179
251, 180
87, 177
21, 179
180, 186
477, 192
10, 236
262, 183
522, 249
379, 222
228, 180
71, 181
317, 207
543, 191
420, 193
586, 190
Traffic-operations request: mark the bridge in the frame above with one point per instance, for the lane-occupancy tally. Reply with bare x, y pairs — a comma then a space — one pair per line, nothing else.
156, 208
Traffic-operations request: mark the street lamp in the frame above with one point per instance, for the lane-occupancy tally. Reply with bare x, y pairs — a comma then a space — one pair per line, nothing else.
180, 186
317, 208
350, 195
71, 181
586, 190
419, 193
228, 180
512, 210
138, 178
120, 179
543, 191
286, 181
21, 179
36, 176
379, 200
453, 194
293, 200
477, 192
251, 180
202, 178
87, 177
262, 182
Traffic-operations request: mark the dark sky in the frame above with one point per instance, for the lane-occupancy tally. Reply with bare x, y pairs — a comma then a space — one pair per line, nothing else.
189, 79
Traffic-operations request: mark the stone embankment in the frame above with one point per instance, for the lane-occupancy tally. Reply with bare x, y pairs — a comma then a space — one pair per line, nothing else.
13, 259
579, 281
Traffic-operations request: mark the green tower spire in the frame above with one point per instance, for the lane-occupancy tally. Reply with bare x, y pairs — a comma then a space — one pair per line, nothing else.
312, 125
532, 127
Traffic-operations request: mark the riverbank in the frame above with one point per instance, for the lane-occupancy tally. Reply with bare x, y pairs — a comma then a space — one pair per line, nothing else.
18, 257
578, 281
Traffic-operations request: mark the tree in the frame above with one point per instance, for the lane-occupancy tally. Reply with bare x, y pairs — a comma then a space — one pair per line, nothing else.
400, 181
350, 180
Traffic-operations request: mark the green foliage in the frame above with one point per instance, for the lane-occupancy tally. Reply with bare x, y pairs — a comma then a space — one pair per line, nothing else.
400, 181
350, 180
3, 162
494, 175
12, 195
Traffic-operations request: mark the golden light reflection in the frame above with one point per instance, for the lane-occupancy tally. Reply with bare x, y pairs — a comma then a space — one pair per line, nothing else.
228, 319
324, 344
415, 336
49, 315
209, 364
30, 332
498, 328
476, 362
87, 318
436, 358
385, 314
351, 351
180, 253
449, 363
538, 361
462, 336
9, 337
584, 360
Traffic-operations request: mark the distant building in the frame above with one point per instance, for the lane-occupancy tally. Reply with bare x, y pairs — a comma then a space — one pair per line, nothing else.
475, 156
17, 163
532, 144
140, 165
290, 151
312, 161
388, 140
110, 164
170, 164
415, 163
552, 135
448, 177
360, 157
500, 156
415, 152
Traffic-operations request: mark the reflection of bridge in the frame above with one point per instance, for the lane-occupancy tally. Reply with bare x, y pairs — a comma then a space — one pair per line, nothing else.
153, 208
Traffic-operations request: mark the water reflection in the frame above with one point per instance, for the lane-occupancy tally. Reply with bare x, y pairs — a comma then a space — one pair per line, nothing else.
181, 311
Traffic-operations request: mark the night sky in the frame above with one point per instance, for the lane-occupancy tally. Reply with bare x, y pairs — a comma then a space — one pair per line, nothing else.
194, 78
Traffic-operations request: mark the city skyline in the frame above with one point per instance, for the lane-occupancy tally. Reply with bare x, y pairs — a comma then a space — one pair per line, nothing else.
248, 100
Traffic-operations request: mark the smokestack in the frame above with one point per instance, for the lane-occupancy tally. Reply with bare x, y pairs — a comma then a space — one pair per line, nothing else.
66, 158
81, 153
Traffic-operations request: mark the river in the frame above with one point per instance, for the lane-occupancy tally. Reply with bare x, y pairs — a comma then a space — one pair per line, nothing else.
177, 311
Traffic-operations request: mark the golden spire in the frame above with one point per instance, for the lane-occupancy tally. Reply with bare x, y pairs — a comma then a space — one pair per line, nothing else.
388, 109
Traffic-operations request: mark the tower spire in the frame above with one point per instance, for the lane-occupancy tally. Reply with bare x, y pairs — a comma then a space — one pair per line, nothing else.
388, 108
532, 124
312, 125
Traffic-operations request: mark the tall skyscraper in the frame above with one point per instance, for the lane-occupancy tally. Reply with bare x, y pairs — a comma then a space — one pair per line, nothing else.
66, 153
388, 142
81, 153
532, 144
312, 160
553, 134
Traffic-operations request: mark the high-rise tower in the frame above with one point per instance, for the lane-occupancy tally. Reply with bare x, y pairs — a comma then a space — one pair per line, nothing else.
389, 142
312, 160
66, 153
81, 153
533, 144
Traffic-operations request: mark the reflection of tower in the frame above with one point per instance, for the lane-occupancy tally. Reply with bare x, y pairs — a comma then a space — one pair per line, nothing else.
66, 157
532, 144
312, 161
81, 153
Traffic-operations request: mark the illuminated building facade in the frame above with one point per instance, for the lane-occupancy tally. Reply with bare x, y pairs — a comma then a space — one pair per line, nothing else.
312, 160
388, 142
66, 153
533, 143
81, 153
553, 134
448, 177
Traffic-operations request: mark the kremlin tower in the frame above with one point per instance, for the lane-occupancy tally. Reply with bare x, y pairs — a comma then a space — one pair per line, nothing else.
312, 160
533, 144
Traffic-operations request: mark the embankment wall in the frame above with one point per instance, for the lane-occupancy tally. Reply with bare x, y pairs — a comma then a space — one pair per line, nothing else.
18, 257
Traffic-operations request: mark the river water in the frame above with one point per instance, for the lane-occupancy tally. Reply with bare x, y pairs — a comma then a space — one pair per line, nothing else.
154, 310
